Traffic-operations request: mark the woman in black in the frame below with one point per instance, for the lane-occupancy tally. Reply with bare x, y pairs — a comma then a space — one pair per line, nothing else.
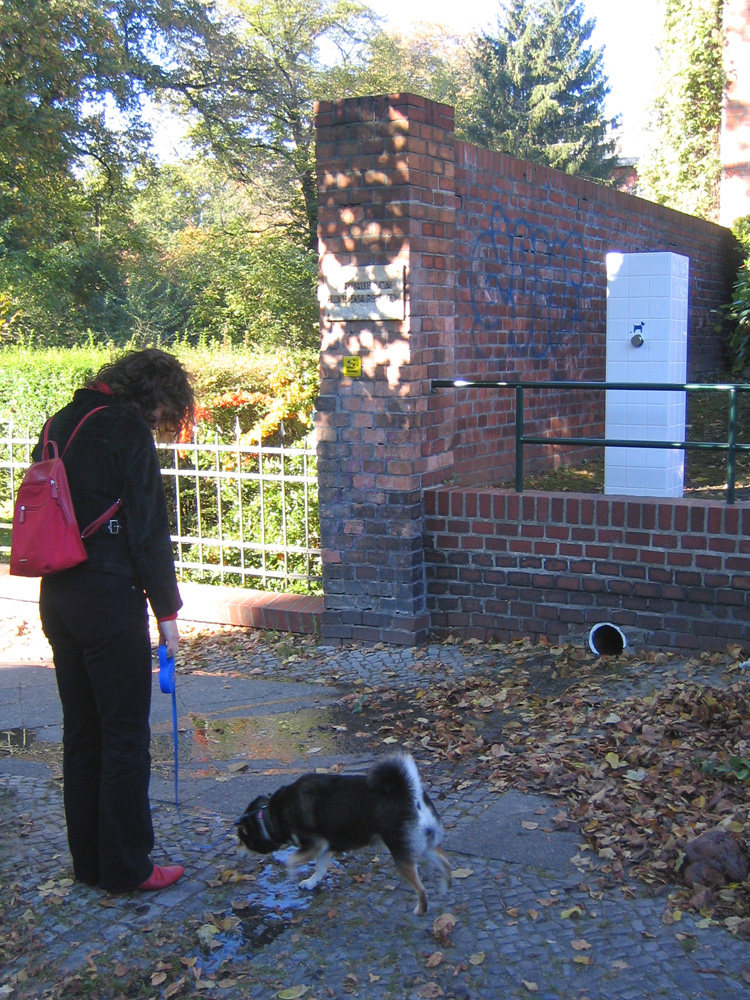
95, 615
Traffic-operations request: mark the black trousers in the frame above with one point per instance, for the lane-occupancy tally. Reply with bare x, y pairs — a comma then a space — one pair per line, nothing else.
97, 626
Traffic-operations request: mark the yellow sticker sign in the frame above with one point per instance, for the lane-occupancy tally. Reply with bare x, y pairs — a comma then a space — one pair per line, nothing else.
352, 367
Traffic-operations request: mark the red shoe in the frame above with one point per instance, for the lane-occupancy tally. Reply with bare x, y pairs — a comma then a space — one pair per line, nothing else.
163, 876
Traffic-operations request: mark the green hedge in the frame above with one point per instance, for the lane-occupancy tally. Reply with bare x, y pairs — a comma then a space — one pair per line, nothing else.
37, 381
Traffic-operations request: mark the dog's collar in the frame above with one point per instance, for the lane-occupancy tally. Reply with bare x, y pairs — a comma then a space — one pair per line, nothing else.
264, 821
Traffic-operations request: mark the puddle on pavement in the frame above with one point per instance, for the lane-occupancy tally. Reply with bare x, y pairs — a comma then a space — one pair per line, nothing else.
16, 740
285, 736
264, 913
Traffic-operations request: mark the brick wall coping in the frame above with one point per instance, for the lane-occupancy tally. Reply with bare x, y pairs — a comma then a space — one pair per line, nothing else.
213, 605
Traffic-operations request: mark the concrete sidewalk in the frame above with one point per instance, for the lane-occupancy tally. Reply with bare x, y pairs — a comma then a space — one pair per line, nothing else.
532, 915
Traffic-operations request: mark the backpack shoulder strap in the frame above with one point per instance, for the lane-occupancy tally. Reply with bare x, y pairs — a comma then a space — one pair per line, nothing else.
49, 448
75, 430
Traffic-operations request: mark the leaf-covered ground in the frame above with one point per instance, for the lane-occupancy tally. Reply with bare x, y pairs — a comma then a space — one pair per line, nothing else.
644, 752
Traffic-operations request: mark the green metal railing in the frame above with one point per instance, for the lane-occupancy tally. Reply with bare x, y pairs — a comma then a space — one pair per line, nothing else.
730, 445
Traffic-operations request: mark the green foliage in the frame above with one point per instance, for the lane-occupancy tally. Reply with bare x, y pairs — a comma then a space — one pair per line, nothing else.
254, 99
72, 78
178, 255
741, 229
738, 313
539, 89
430, 61
245, 290
682, 168
36, 381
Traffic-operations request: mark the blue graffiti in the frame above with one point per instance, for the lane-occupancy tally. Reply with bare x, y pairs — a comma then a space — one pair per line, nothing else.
526, 282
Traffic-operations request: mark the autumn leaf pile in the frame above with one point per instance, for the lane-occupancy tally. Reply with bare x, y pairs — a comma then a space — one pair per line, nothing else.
640, 773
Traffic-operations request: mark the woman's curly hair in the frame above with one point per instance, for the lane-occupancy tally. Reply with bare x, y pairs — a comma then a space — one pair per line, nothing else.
149, 380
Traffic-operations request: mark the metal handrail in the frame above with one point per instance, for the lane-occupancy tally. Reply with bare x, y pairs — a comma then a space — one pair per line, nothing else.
731, 446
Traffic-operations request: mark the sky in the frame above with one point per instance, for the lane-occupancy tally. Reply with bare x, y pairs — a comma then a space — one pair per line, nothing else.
627, 31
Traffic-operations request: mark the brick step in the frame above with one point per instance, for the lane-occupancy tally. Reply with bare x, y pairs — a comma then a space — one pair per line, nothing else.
298, 613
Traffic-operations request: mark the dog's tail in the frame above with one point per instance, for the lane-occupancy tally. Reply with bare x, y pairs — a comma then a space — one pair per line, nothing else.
396, 776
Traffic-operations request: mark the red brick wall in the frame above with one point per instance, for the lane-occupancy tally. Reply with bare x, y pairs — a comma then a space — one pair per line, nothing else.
386, 192
531, 246
506, 565
395, 186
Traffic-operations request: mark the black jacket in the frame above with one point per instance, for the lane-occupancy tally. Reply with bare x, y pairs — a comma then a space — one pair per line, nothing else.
112, 457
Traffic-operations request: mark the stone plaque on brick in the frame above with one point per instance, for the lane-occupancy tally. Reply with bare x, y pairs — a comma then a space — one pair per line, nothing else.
374, 292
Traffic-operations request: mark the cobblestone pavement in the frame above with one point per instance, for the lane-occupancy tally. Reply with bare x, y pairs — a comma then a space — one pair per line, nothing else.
237, 926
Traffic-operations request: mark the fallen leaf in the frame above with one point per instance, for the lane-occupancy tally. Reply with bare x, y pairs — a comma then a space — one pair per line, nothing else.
430, 991
173, 988
443, 926
206, 934
293, 993
478, 958
434, 960
530, 986
462, 872
580, 945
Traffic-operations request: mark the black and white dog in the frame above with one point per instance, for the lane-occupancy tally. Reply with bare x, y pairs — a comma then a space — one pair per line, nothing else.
323, 813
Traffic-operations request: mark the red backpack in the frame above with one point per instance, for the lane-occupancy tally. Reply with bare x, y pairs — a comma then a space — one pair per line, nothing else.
46, 537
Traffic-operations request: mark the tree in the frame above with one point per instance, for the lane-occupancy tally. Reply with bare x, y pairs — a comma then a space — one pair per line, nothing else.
253, 93
682, 167
211, 270
539, 89
429, 60
72, 77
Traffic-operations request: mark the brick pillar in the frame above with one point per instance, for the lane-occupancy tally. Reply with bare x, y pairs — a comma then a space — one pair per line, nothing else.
735, 124
386, 193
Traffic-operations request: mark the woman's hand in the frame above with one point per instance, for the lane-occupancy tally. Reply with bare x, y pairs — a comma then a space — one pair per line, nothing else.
169, 635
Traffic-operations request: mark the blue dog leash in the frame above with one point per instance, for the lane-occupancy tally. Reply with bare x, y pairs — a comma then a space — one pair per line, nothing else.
168, 686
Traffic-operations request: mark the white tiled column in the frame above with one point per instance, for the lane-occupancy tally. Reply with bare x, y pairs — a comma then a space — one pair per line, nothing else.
647, 296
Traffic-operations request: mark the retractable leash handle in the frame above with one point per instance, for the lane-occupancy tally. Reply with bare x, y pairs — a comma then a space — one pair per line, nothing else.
166, 671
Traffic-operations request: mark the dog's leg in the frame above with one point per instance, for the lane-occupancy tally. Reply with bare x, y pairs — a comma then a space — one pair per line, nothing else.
321, 867
438, 858
320, 854
408, 871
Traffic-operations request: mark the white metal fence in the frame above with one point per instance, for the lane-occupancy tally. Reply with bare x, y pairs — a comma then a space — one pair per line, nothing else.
241, 514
